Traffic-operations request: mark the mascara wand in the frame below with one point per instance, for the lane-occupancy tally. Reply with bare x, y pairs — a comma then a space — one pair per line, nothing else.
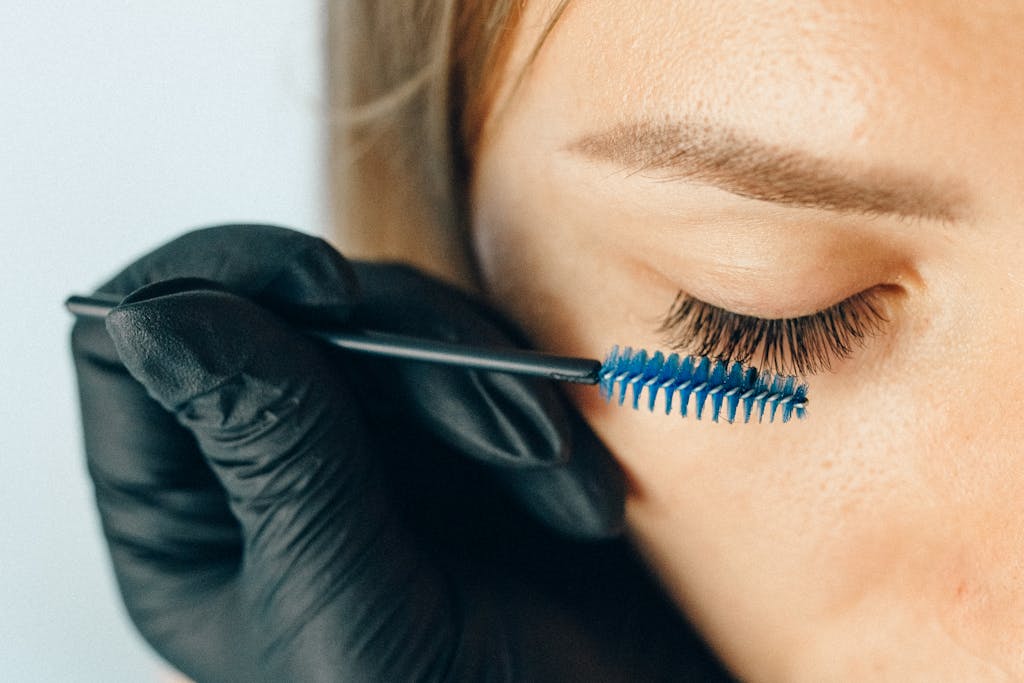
729, 390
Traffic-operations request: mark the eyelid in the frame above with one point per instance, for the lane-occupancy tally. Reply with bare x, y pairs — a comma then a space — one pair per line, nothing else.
801, 346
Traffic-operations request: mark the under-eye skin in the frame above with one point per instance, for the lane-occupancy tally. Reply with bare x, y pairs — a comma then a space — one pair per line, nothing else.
800, 346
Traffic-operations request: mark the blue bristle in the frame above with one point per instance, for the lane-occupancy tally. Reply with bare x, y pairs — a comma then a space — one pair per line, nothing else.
637, 369
665, 377
626, 370
748, 403
778, 383
733, 388
684, 390
686, 368
732, 402
720, 386
650, 373
684, 383
700, 393
699, 385
716, 394
701, 369
749, 391
607, 374
787, 408
763, 387
787, 401
762, 403
736, 374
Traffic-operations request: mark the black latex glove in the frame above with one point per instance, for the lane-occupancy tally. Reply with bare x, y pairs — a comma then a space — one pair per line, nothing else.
280, 510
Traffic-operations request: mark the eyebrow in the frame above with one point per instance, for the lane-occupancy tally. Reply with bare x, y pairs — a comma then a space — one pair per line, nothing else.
754, 169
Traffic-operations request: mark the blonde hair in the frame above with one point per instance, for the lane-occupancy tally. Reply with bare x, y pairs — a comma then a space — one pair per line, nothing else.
410, 87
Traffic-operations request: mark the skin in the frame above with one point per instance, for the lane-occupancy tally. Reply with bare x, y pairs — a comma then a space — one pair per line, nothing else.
882, 538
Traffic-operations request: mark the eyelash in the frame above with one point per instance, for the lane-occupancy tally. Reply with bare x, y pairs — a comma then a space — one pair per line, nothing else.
800, 346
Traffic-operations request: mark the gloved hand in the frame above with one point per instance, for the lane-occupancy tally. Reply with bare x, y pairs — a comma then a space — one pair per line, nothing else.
280, 510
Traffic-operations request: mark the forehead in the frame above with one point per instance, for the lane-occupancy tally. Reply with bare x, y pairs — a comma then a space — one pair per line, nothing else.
848, 76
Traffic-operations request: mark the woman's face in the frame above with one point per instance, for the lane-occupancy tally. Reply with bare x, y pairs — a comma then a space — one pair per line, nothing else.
773, 159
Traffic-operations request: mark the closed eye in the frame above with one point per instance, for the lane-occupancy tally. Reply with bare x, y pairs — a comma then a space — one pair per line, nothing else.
800, 346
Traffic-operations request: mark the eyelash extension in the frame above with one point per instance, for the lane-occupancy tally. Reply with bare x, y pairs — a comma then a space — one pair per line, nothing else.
802, 346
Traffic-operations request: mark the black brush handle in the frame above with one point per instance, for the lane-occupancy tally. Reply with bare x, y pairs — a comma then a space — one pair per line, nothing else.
515, 361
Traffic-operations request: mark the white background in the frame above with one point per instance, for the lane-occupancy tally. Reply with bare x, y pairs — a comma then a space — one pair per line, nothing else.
122, 124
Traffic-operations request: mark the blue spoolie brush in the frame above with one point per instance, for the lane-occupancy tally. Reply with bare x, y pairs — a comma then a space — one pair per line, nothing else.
717, 388
730, 386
